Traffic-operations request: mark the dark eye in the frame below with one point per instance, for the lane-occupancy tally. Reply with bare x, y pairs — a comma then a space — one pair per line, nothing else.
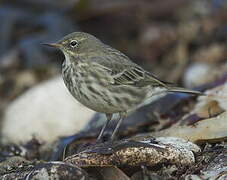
73, 43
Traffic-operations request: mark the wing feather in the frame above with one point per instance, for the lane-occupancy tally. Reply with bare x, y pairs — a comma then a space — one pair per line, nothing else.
127, 73
123, 70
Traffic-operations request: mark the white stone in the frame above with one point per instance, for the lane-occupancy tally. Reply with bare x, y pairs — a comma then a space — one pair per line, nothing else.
197, 74
46, 111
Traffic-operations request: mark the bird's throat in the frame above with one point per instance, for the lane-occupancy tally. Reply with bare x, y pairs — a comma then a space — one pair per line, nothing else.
67, 59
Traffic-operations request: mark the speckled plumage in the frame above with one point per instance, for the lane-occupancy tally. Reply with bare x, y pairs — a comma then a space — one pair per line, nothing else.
106, 80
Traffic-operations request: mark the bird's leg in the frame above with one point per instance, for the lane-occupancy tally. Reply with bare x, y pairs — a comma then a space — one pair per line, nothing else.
108, 117
122, 116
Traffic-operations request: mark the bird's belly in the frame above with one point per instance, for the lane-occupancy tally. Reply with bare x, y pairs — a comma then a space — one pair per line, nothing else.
110, 99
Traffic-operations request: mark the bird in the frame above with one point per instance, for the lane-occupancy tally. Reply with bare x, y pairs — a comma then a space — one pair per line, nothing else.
106, 80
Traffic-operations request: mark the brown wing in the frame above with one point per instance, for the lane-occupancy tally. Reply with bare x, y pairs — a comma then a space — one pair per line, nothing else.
127, 73
136, 76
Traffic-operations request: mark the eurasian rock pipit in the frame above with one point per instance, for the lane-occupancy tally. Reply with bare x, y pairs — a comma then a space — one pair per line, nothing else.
105, 80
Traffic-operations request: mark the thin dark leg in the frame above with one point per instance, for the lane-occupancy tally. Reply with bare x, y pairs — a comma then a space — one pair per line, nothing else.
122, 116
109, 117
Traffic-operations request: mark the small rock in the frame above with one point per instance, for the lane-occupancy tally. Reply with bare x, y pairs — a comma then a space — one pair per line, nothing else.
136, 152
201, 73
196, 74
215, 169
50, 170
57, 170
211, 129
13, 163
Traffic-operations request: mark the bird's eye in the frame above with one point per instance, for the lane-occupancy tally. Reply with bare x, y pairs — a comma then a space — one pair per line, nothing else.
73, 43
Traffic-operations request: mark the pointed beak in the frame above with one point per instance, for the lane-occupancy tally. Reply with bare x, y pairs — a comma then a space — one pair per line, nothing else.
55, 45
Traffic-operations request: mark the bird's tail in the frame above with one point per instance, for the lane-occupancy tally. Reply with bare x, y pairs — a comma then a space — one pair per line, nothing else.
183, 90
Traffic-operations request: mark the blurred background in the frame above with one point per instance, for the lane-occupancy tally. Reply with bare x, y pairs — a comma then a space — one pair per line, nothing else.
181, 41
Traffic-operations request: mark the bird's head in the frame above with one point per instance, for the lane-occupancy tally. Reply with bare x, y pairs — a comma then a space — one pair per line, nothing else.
77, 43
